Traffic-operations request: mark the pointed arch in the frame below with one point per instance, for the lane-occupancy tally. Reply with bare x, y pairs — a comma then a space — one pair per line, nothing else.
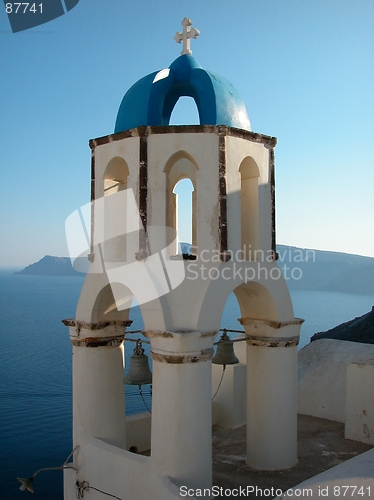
261, 292
255, 301
96, 302
185, 112
115, 176
181, 165
249, 173
105, 306
115, 180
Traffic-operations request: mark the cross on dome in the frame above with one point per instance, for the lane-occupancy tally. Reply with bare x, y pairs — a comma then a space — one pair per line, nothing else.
186, 35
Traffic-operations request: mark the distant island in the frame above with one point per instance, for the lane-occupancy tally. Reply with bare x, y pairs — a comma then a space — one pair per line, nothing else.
51, 266
303, 269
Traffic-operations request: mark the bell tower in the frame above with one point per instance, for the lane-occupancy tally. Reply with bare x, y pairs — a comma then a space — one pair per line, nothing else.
134, 253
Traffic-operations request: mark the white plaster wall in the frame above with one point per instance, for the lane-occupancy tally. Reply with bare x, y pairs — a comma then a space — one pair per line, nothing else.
359, 424
128, 150
240, 349
98, 395
271, 407
229, 405
182, 421
322, 374
198, 304
120, 473
92, 285
157, 183
69, 477
138, 431
356, 472
110, 221
203, 147
236, 150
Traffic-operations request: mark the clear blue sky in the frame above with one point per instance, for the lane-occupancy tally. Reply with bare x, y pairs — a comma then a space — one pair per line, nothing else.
303, 67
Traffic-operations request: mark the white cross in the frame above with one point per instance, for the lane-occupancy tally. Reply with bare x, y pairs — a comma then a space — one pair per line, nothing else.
186, 35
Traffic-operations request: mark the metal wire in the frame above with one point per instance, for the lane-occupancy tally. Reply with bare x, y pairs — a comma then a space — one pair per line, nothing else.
233, 331
215, 343
136, 340
141, 394
103, 492
82, 486
220, 382
225, 330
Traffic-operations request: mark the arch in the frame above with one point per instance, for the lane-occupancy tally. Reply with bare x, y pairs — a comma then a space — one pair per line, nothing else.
105, 306
181, 165
179, 155
249, 173
173, 96
260, 289
96, 302
115, 180
255, 301
185, 112
115, 176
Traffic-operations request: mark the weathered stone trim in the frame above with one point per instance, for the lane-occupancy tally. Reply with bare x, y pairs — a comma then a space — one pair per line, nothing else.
252, 136
143, 179
91, 255
182, 129
113, 341
143, 195
272, 341
95, 326
157, 333
272, 194
222, 220
164, 334
212, 333
93, 175
185, 129
106, 139
179, 359
272, 324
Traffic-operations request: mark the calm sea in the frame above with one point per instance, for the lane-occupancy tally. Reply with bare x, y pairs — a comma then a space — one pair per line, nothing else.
35, 370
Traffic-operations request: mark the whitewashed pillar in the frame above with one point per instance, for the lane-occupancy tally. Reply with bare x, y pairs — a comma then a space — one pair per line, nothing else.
181, 443
98, 391
271, 393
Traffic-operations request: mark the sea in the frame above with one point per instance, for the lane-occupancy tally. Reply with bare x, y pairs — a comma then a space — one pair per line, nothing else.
35, 370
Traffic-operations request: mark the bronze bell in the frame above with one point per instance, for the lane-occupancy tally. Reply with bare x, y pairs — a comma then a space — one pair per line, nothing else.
139, 372
225, 351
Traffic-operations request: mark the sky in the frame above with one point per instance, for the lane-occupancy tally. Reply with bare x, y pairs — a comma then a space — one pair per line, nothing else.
304, 69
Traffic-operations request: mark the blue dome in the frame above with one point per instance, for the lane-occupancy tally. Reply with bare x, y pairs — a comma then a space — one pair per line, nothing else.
150, 101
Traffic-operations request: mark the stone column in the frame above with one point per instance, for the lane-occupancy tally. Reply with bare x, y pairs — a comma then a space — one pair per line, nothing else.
98, 390
182, 408
271, 393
